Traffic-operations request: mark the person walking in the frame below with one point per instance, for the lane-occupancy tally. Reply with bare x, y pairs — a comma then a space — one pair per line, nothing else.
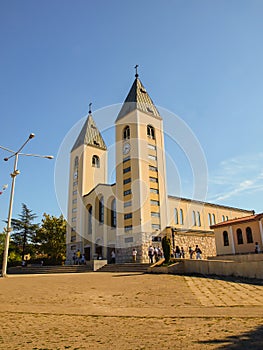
113, 256
257, 249
182, 252
134, 255
191, 252
150, 254
198, 252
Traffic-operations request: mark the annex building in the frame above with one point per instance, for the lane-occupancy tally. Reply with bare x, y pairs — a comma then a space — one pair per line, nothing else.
136, 210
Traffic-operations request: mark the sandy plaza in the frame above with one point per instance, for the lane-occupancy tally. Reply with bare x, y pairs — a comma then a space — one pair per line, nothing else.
129, 311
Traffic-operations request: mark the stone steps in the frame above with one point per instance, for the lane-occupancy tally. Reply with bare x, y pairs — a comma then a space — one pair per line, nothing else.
127, 267
48, 269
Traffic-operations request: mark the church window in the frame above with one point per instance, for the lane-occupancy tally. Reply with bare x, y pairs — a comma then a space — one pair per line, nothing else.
209, 219
153, 168
175, 216
90, 220
226, 218
198, 219
126, 181
73, 239
75, 175
76, 162
127, 216
126, 170
194, 218
153, 179
153, 147
113, 213
74, 192
249, 235
156, 227
95, 161
74, 219
154, 190
239, 236
155, 215
74, 210
153, 202
213, 219
150, 132
126, 133
223, 218
125, 193
126, 159
225, 238
181, 217
127, 204
101, 210
150, 156
128, 228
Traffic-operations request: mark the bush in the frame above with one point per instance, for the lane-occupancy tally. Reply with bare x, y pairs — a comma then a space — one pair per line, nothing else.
166, 245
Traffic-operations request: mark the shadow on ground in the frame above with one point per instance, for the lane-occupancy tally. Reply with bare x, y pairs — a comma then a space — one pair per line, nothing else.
248, 340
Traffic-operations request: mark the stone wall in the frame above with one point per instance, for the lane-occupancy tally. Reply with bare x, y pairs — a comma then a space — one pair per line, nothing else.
206, 243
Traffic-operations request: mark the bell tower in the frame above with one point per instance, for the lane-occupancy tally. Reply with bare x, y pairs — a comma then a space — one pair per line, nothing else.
88, 168
140, 170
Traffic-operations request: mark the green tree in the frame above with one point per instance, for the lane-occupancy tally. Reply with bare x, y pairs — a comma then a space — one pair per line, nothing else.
51, 237
166, 245
24, 231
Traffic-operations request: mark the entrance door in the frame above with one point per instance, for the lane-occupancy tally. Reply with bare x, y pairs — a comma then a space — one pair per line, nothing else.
87, 253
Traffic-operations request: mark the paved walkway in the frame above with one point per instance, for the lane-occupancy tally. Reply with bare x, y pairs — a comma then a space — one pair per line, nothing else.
129, 311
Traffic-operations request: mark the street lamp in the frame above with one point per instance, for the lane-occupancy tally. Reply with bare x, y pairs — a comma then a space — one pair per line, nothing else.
13, 176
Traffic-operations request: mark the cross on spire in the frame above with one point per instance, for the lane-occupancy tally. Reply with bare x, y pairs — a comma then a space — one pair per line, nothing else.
90, 104
136, 71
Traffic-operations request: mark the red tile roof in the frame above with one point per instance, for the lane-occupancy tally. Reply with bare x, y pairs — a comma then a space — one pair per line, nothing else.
255, 217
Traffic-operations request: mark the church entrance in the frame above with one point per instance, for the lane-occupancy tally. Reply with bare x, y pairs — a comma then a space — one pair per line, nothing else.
87, 253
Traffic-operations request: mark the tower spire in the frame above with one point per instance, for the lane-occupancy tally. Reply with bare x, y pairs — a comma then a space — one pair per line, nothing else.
136, 71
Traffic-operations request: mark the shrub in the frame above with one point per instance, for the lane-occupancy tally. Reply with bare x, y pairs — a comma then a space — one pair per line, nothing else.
166, 245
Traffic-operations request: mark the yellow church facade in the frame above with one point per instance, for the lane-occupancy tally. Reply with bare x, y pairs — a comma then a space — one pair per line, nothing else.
136, 211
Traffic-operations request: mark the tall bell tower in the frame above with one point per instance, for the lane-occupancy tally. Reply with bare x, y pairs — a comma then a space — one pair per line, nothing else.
88, 168
140, 171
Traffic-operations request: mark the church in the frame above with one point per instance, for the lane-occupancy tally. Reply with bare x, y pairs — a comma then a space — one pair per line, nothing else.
136, 211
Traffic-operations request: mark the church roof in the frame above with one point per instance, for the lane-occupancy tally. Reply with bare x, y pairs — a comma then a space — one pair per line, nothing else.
90, 135
138, 98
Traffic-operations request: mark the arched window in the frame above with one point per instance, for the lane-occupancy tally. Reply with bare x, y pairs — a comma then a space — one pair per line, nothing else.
150, 132
181, 217
95, 161
209, 220
239, 236
175, 216
90, 220
101, 210
249, 235
113, 213
126, 133
225, 238
213, 219
76, 162
223, 218
194, 218
198, 219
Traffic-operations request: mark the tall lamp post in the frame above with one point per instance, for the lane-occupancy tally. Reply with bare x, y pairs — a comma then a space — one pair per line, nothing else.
13, 175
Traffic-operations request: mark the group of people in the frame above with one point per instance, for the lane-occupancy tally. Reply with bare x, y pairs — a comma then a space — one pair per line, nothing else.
78, 258
154, 254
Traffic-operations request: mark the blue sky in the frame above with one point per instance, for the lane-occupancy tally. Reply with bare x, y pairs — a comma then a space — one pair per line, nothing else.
202, 60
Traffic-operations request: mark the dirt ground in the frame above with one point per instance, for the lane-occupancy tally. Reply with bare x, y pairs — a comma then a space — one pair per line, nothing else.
129, 312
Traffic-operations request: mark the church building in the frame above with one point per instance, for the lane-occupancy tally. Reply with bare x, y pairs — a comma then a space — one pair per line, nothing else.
135, 211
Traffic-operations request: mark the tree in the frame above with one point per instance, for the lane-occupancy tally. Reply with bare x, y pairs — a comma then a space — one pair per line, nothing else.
24, 231
166, 245
51, 237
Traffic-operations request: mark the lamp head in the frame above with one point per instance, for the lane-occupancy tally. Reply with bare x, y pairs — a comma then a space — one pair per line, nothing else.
49, 157
6, 159
31, 136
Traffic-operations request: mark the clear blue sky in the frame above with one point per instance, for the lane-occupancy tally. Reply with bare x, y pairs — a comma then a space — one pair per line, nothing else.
202, 60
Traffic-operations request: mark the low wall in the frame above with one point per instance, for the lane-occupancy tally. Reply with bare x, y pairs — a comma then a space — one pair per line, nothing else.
253, 269
239, 257
96, 264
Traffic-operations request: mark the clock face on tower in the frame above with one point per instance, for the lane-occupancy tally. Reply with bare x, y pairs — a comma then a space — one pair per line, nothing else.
126, 148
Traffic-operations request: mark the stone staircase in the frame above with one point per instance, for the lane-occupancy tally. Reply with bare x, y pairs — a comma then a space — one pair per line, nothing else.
127, 267
48, 269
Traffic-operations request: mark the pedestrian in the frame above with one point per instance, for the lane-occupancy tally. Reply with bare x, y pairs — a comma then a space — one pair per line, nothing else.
83, 260
74, 258
182, 252
78, 257
257, 249
177, 252
160, 253
134, 255
191, 252
113, 257
198, 252
156, 254
150, 254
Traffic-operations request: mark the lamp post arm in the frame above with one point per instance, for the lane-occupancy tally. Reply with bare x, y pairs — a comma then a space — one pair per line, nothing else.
7, 238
